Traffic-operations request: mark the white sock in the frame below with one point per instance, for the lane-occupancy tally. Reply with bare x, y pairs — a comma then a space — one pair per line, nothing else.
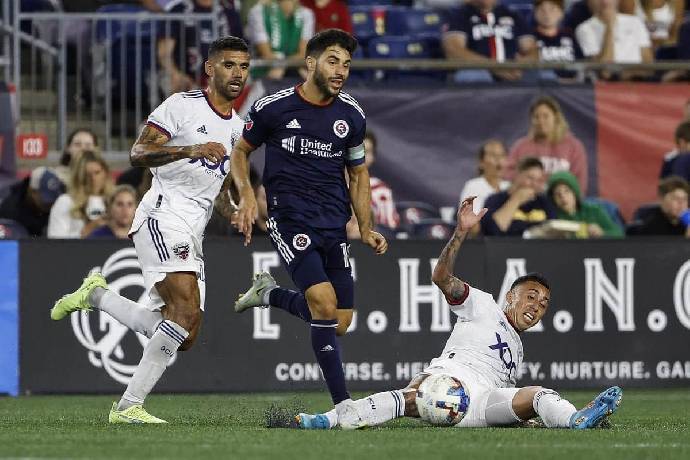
131, 314
553, 410
375, 409
157, 354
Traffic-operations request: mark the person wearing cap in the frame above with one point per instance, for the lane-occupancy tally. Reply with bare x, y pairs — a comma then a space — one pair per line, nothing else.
564, 192
30, 200
120, 207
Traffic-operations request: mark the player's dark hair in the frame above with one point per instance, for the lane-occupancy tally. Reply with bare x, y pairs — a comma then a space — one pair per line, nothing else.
672, 183
229, 43
482, 151
683, 131
533, 276
330, 37
529, 163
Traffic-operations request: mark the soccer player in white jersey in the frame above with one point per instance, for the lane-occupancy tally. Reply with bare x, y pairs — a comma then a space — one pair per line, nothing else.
483, 352
186, 143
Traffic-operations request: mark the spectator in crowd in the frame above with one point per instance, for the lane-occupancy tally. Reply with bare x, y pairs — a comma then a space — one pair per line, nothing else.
549, 139
610, 36
661, 17
190, 42
564, 192
78, 141
522, 206
485, 31
382, 202
682, 54
578, 12
77, 212
672, 216
677, 162
120, 208
30, 200
279, 29
330, 14
554, 43
492, 162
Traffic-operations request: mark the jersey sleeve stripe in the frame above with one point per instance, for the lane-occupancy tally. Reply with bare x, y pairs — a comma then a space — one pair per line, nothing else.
350, 100
158, 128
462, 299
264, 101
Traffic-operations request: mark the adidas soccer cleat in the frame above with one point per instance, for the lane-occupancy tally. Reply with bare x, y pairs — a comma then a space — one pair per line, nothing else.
312, 422
133, 414
597, 412
254, 296
79, 299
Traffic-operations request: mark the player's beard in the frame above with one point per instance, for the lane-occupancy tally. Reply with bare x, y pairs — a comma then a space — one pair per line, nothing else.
321, 83
224, 89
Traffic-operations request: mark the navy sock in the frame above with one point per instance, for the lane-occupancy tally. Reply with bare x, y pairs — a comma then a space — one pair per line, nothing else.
325, 345
292, 302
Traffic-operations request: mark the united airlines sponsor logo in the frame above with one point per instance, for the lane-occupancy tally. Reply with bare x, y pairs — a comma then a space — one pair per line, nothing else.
318, 149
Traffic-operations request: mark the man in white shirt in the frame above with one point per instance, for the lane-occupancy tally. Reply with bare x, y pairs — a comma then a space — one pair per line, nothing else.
483, 353
609, 36
186, 142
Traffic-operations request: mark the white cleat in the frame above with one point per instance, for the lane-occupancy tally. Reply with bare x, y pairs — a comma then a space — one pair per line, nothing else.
254, 296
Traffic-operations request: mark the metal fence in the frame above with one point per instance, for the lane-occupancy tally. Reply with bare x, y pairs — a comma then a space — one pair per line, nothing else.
103, 70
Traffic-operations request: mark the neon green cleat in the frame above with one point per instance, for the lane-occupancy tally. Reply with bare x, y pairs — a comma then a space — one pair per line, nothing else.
253, 297
133, 414
79, 299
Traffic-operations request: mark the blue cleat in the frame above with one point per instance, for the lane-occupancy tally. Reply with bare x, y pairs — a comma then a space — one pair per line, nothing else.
312, 422
597, 411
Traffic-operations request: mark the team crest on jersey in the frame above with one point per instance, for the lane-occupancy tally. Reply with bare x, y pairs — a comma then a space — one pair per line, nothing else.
181, 250
301, 241
234, 137
248, 123
341, 128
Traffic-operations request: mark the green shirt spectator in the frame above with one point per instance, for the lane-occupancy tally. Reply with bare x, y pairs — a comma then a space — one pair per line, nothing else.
564, 191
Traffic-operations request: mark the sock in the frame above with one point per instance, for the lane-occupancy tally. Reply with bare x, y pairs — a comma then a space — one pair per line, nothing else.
381, 407
325, 346
553, 410
157, 354
292, 302
131, 314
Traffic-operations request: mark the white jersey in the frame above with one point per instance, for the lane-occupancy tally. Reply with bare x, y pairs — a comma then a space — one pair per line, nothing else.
182, 193
483, 343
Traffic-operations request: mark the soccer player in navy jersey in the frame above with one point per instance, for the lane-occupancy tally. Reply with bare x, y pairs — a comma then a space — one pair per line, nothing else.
313, 133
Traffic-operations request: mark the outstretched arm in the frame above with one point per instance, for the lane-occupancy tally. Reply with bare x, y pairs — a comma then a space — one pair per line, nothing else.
239, 167
452, 287
150, 150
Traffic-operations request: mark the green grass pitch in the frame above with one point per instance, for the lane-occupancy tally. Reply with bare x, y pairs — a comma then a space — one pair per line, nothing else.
650, 424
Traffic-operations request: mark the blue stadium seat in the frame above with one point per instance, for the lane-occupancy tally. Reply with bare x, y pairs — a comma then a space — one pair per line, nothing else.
432, 229
352, 3
12, 230
611, 208
407, 21
644, 211
525, 9
389, 47
363, 22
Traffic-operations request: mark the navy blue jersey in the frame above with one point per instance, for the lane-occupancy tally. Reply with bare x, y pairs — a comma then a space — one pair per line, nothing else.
307, 149
494, 35
562, 47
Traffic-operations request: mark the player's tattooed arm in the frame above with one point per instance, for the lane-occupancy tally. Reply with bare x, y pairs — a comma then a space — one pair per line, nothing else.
452, 287
224, 202
150, 150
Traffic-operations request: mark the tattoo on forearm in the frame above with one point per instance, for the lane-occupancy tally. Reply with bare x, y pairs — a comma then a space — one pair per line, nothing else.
457, 289
150, 151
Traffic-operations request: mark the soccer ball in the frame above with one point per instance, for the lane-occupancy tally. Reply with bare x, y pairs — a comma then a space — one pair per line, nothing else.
442, 400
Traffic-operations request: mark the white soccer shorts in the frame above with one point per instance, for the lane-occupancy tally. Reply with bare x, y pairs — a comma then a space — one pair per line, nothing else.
164, 249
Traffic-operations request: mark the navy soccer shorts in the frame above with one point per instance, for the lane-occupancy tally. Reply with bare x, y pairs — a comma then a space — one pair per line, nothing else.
312, 256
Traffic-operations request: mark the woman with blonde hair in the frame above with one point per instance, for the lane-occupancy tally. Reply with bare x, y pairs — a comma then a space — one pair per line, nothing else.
79, 211
549, 139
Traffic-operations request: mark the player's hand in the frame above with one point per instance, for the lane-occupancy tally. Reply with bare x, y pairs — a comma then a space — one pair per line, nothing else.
466, 217
211, 151
376, 241
246, 215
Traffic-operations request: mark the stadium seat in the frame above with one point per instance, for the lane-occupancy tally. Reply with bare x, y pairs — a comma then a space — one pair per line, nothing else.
436, 229
525, 9
644, 211
352, 3
12, 230
413, 212
363, 23
398, 48
410, 22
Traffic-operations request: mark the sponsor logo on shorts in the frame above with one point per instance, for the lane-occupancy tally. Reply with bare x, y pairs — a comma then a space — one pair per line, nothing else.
301, 241
181, 250
341, 128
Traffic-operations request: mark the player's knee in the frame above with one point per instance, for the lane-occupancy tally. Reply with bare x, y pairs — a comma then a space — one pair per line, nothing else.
188, 318
322, 305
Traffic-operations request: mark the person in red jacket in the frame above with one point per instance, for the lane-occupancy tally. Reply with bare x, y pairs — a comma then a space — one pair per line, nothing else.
330, 14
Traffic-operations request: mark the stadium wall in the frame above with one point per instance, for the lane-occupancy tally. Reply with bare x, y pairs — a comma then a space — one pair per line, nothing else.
620, 313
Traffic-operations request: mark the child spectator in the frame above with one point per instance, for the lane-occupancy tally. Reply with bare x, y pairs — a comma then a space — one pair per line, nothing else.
121, 205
